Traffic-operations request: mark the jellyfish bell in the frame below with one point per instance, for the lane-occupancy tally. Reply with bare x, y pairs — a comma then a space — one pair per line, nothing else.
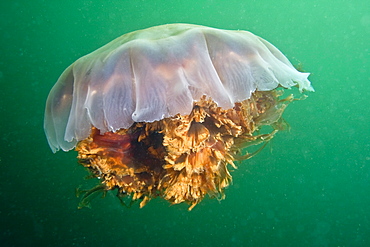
163, 111
158, 72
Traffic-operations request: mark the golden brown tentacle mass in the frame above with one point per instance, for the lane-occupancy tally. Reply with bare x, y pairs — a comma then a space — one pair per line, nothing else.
185, 157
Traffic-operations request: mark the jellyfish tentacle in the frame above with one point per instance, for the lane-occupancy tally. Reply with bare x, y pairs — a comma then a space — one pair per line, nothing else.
88, 195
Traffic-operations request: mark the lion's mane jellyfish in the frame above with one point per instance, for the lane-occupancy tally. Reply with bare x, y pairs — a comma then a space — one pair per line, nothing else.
166, 111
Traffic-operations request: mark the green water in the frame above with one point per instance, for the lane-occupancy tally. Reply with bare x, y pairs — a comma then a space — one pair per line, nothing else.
309, 187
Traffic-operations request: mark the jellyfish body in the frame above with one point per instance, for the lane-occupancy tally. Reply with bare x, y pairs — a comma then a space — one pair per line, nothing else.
138, 89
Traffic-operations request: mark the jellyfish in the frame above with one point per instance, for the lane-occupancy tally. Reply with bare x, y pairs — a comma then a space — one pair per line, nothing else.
167, 111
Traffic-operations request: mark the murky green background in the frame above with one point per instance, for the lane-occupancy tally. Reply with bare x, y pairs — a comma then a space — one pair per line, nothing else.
309, 187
